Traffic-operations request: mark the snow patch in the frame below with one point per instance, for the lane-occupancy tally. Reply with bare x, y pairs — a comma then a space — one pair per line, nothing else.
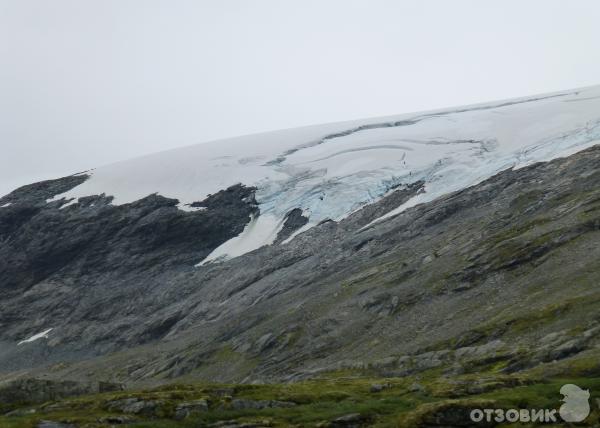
298, 232
189, 208
261, 230
43, 334
6, 205
69, 203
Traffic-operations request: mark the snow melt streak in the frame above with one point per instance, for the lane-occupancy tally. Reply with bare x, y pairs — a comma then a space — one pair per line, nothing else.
43, 334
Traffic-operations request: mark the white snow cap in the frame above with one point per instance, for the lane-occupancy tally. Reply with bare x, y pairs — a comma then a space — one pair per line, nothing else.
331, 170
44, 334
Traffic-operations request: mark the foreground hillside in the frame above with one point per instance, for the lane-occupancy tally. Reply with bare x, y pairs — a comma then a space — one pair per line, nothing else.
348, 398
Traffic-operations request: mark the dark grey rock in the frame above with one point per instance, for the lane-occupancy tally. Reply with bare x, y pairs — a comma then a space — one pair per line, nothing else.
378, 387
350, 420
117, 420
185, 409
293, 221
29, 390
451, 414
49, 256
135, 406
240, 403
21, 412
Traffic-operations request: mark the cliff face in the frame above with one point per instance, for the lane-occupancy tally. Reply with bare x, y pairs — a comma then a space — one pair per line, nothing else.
94, 268
505, 271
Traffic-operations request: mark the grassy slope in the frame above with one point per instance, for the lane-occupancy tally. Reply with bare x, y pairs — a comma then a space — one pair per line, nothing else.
321, 400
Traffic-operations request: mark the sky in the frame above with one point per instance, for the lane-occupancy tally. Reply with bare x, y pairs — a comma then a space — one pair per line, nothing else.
84, 83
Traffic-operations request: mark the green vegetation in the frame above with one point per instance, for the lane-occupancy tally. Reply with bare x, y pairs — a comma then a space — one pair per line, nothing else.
379, 402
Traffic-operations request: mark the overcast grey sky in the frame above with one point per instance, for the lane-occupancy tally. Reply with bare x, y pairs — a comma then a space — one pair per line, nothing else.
89, 82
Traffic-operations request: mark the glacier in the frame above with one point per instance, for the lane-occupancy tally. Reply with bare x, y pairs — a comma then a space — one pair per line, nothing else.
332, 170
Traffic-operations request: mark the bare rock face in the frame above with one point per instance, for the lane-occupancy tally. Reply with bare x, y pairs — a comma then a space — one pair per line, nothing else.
293, 221
240, 403
40, 391
42, 240
185, 409
134, 406
57, 260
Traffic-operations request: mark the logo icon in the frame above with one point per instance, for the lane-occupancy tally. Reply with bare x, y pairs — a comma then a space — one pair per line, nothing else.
576, 405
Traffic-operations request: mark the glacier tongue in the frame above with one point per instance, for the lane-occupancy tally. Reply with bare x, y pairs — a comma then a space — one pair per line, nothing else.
331, 170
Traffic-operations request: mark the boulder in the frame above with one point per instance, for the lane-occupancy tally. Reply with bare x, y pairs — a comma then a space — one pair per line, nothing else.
183, 410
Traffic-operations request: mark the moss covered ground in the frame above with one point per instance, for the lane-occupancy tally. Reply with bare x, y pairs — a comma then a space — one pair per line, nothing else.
427, 399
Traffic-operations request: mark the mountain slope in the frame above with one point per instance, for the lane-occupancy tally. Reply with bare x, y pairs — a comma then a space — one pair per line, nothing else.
498, 266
